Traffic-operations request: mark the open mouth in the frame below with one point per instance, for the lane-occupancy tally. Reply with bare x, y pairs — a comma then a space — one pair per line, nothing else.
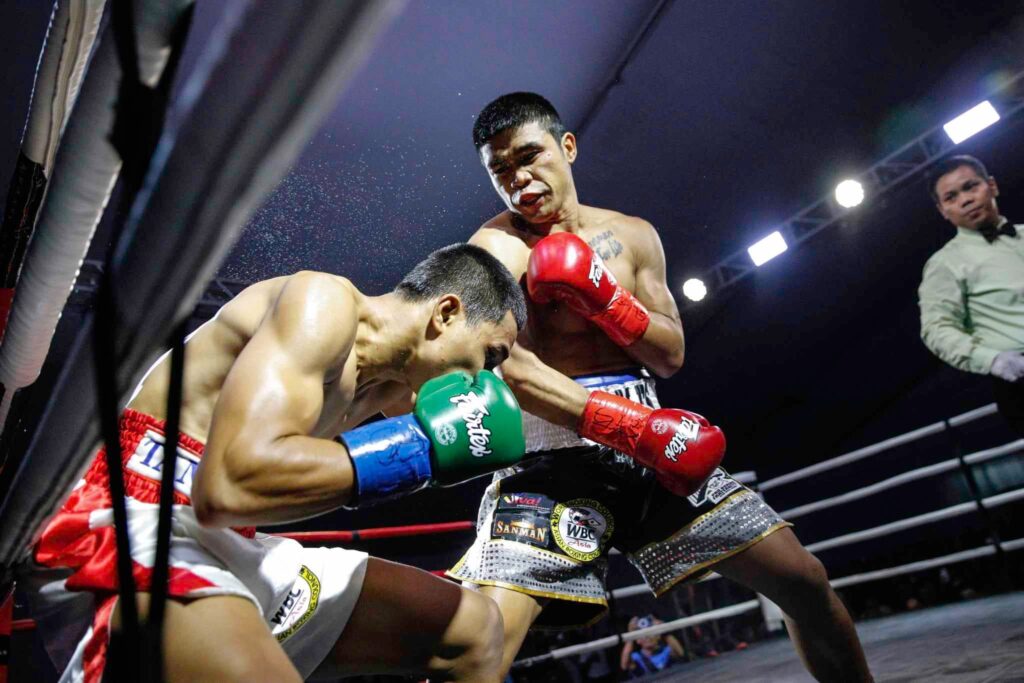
529, 199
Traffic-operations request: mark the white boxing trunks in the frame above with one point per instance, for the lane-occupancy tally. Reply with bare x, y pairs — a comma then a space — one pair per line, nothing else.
306, 595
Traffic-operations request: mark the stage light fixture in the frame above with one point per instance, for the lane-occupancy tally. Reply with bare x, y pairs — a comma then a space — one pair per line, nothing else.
765, 250
849, 194
972, 121
694, 289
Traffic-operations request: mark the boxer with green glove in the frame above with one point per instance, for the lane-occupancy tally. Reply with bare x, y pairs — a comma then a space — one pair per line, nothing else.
462, 427
269, 383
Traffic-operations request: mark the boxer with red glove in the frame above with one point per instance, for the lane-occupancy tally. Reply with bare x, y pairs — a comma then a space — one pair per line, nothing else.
563, 267
682, 448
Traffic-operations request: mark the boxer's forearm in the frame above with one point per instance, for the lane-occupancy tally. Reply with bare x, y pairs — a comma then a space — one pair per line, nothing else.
661, 349
542, 390
294, 478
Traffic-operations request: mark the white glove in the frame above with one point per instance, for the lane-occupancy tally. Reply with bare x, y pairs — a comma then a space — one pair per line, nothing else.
1009, 366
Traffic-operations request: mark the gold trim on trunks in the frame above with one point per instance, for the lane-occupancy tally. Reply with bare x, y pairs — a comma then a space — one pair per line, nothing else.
664, 588
694, 521
529, 591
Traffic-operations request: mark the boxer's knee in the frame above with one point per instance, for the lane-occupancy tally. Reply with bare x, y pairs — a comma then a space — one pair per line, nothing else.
803, 589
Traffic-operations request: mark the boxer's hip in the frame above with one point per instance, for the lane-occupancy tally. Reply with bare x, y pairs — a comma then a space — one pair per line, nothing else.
81, 536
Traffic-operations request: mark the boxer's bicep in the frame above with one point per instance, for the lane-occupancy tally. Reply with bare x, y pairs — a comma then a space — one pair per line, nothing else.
651, 277
273, 393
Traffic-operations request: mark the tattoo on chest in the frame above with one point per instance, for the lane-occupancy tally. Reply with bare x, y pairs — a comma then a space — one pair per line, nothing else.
606, 246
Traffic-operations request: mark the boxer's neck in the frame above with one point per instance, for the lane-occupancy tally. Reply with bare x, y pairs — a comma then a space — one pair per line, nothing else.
387, 334
568, 218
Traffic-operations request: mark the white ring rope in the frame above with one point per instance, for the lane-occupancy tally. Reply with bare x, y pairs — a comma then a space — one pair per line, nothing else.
879, 447
900, 479
85, 169
658, 629
1015, 544
889, 572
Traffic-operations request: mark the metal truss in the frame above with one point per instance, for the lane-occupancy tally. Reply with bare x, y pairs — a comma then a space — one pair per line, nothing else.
217, 293
905, 163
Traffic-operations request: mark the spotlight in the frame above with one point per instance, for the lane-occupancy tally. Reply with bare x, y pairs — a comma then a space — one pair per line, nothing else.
972, 121
849, 194
694, 289
768, 248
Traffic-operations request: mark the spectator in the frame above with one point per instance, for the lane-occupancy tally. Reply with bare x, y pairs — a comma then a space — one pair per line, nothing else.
652, 654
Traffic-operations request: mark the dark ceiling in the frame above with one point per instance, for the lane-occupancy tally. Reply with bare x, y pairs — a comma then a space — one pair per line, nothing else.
728, 117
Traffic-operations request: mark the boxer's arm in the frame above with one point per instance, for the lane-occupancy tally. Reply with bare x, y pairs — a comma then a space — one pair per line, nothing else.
539, 388
625, 659
399, 401
260, 467
662, 346
542, 390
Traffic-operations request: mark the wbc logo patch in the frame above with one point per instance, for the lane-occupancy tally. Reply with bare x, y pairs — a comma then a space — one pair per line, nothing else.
298, 606
582, 528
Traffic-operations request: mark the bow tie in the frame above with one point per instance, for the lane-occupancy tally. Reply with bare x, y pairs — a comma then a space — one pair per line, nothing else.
990, 232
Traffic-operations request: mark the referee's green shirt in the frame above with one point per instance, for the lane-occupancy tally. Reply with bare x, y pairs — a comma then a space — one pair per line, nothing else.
972, 299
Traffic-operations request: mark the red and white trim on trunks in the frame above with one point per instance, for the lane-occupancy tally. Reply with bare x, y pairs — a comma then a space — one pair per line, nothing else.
81, 536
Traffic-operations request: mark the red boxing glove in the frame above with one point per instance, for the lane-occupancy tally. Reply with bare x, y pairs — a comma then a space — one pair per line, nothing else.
564, 267
683, 448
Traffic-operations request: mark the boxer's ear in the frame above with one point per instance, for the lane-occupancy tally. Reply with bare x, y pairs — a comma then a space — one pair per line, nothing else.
569, 149
446, 311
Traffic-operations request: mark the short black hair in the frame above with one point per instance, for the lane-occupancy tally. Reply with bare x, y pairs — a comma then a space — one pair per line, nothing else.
950, 164
483, 283
514, 110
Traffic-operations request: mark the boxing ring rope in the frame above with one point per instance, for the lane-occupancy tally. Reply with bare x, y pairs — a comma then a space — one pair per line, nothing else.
867, 451
656, 630
239, 124
85, 166
70, 36
913, 475
378, 532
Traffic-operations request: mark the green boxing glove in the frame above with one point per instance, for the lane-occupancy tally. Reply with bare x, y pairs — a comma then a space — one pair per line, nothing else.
462, 427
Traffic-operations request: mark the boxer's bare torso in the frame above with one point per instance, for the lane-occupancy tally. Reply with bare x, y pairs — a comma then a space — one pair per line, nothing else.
211, 352
561, 338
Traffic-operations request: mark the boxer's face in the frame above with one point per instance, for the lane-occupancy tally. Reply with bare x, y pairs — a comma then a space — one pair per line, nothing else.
967, 200
530, 170
450, 343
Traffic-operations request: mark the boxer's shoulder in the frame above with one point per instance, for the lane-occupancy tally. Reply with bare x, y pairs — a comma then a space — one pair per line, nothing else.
505, 225
331, 300
611, 233
622, 224
508, 243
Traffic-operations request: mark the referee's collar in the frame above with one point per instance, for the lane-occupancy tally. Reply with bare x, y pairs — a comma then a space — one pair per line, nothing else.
971, 233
